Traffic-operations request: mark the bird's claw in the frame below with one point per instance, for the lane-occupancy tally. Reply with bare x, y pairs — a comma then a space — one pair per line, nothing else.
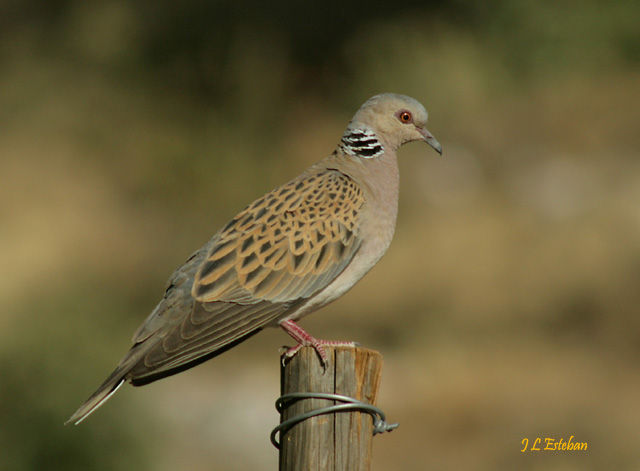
305, 339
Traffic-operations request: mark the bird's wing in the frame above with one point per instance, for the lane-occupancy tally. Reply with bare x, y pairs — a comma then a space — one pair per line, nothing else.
279, 251
285, 246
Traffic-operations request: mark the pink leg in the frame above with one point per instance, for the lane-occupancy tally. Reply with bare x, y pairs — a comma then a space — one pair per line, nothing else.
305, 339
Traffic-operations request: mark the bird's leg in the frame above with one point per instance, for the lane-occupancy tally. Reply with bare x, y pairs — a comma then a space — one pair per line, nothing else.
305, 339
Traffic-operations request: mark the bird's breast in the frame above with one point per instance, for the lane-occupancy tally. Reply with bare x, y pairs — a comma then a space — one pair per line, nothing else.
375, 230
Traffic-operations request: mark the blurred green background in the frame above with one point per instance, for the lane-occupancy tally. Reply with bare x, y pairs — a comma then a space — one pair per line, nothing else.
506, 308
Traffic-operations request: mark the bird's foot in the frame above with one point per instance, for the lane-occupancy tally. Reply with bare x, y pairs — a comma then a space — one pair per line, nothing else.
305, 339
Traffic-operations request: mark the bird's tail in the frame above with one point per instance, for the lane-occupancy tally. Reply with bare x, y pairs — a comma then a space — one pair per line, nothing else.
104, 392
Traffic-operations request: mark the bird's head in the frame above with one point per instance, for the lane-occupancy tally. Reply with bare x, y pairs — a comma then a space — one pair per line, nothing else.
396, 120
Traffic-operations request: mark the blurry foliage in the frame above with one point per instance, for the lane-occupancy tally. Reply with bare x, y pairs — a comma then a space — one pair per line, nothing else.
507, 307
192, 47
558, 38
40, 372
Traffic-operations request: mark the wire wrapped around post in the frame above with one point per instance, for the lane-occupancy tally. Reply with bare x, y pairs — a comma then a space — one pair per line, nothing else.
349, 404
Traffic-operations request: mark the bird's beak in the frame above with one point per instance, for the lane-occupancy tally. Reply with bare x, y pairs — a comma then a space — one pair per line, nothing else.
429, 139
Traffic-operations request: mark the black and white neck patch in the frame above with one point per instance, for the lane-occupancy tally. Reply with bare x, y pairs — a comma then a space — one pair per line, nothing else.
361, 143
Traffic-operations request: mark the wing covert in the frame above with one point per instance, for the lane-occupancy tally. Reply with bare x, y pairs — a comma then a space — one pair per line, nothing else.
286, 245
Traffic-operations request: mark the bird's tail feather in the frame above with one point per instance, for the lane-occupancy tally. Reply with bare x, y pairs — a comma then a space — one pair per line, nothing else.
104, 392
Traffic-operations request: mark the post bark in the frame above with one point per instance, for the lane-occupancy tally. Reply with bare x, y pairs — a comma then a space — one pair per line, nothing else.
339, 441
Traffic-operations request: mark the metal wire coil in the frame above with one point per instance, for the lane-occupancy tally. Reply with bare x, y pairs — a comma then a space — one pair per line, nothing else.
349, 404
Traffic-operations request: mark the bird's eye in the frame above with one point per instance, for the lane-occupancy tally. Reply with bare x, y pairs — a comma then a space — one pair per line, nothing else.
405, 117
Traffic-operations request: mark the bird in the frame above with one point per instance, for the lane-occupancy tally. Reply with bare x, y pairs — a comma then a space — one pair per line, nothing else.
287, 254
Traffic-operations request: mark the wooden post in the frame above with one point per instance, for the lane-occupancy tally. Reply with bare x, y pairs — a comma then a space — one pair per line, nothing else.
339, 441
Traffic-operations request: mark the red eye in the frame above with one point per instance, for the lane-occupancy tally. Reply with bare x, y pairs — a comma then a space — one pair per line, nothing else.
405, 117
